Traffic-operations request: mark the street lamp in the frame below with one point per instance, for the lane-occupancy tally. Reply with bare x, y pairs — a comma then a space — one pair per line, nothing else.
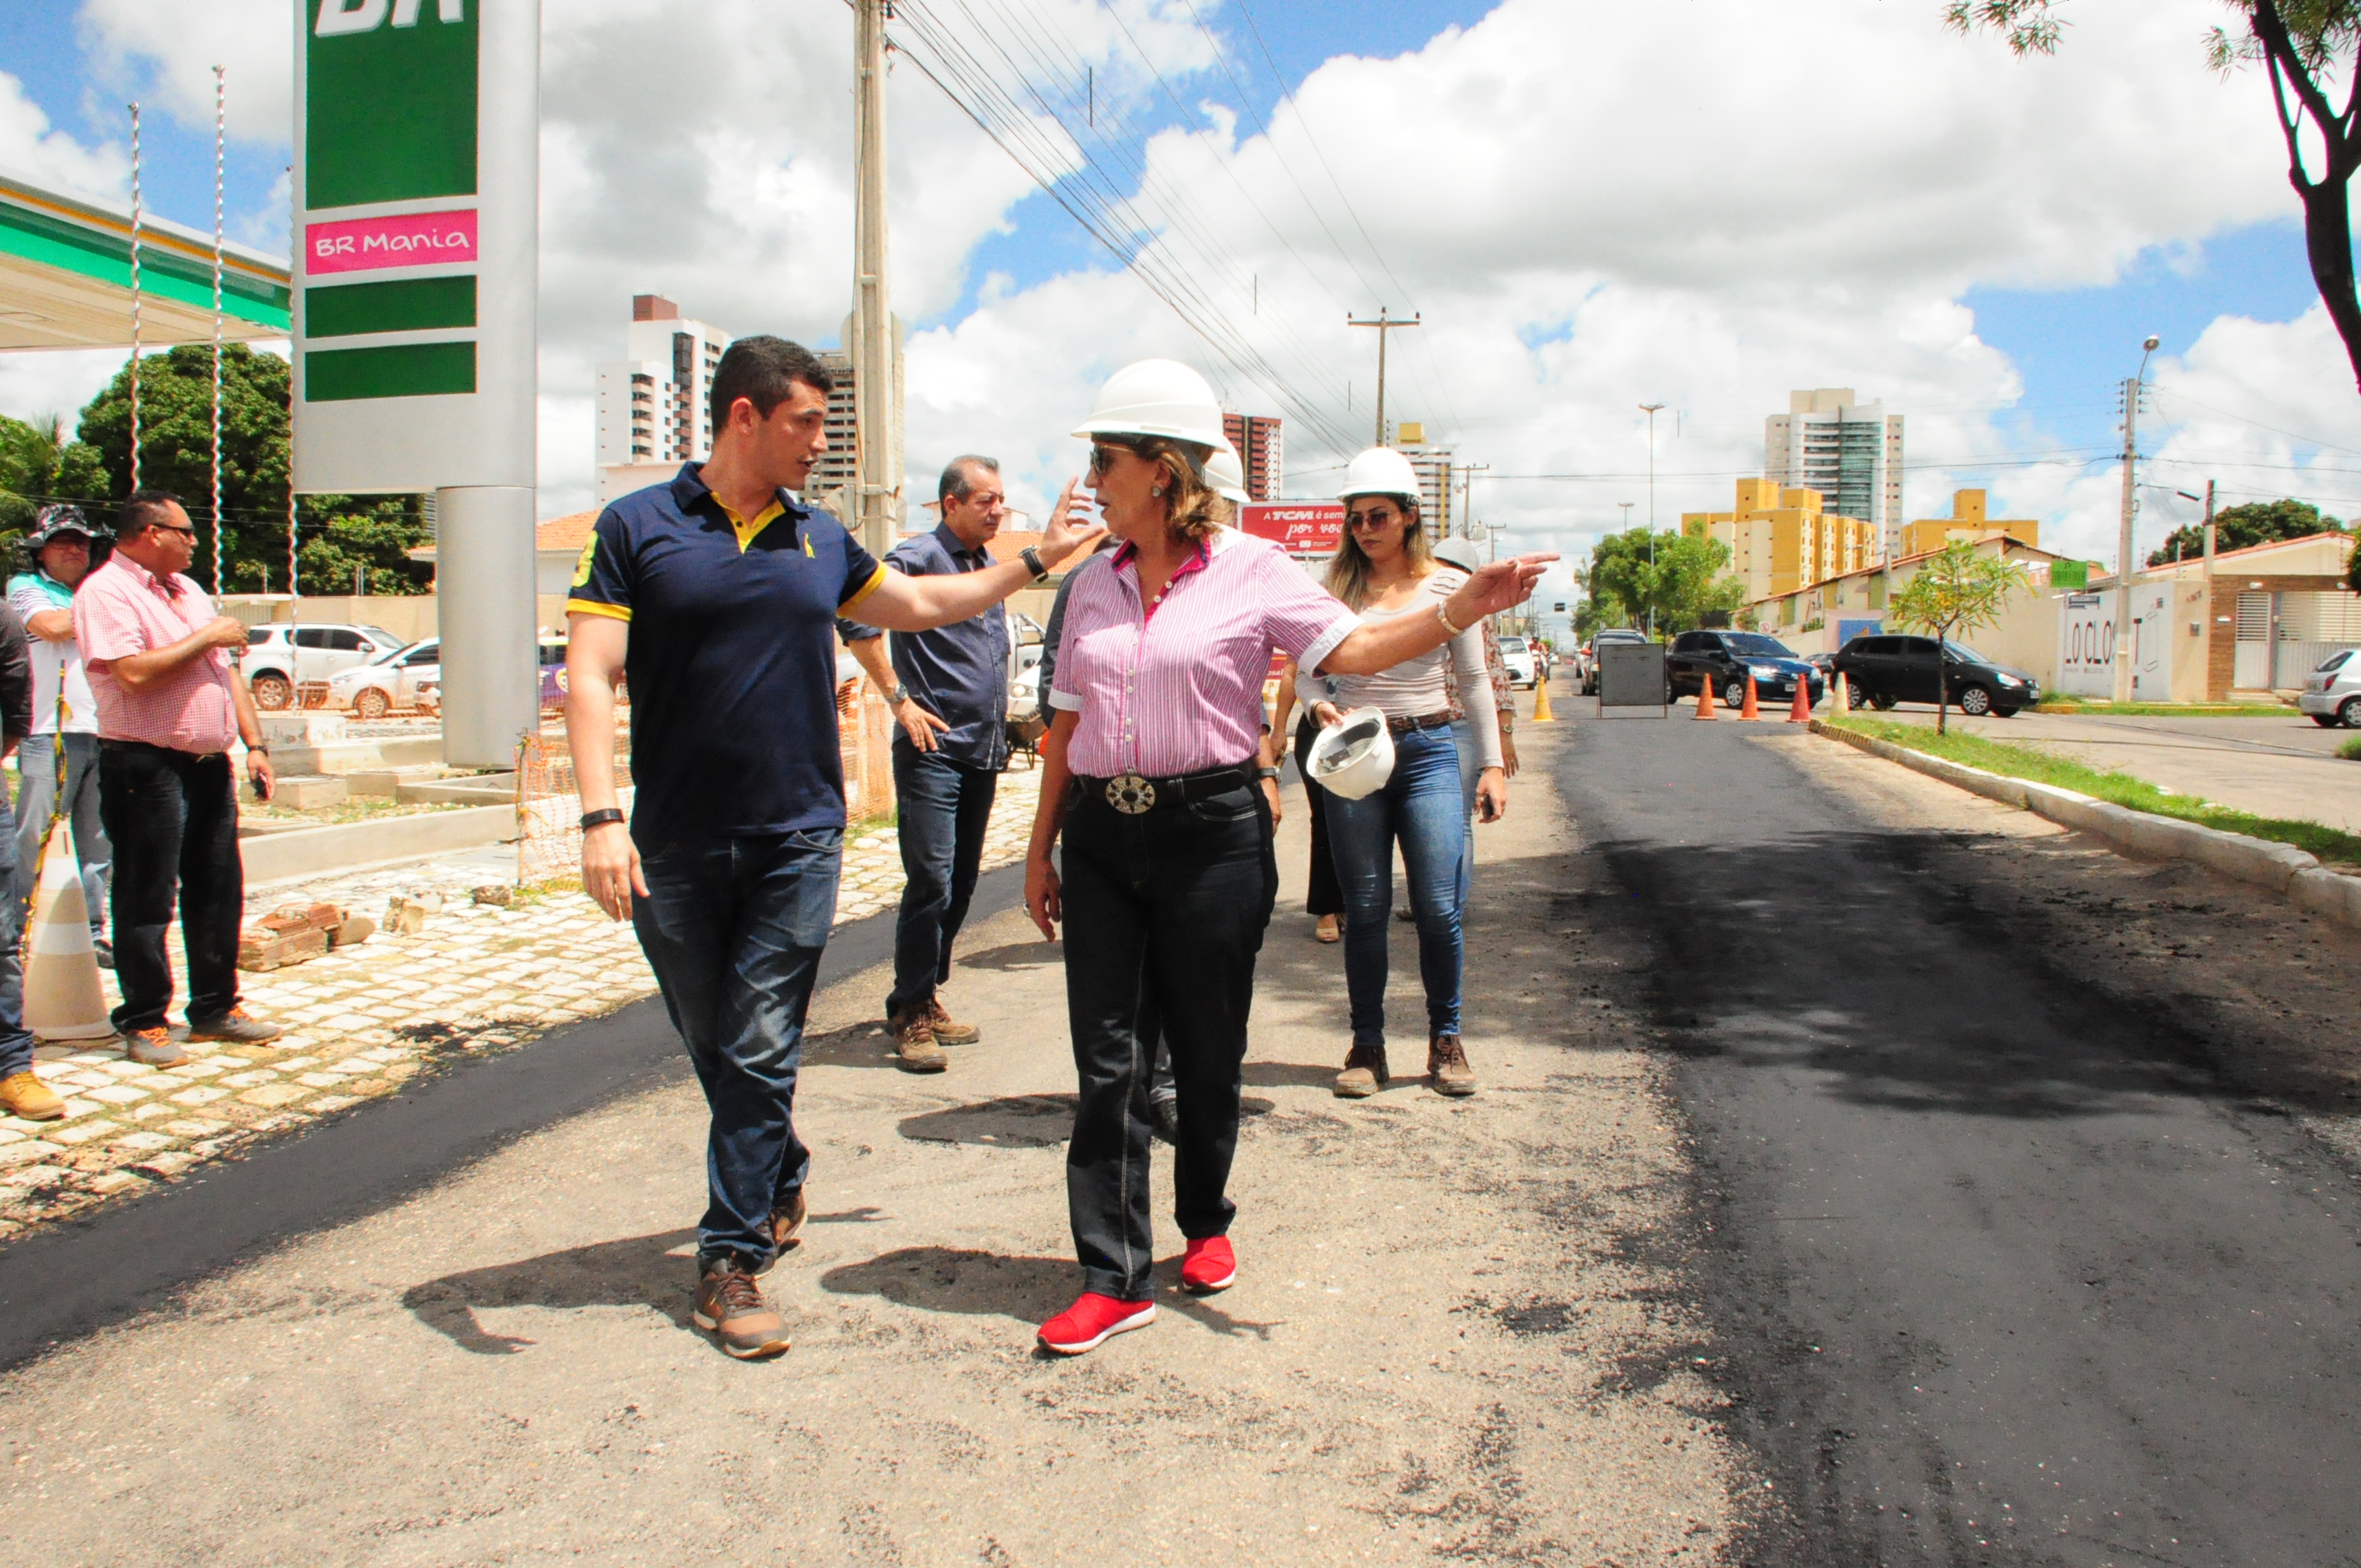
1652, 411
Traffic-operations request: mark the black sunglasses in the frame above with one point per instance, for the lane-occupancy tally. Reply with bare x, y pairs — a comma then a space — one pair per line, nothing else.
1375, 518
1102, 456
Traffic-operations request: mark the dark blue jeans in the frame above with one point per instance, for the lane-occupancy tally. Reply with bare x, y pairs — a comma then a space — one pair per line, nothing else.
1423, 805
1165, 913
734, 929
15, 1044
172, 818
943, 808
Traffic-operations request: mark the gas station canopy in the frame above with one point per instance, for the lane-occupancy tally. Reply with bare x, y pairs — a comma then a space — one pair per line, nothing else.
65, 277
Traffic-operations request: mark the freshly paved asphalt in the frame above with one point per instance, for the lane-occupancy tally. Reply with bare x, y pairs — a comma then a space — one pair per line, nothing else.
2003, 1277
86, 1274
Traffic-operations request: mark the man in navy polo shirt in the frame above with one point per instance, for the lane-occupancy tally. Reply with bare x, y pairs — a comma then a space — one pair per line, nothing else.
948, 690
715, 598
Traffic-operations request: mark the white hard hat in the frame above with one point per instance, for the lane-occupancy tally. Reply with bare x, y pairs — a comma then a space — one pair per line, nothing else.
1158, 397
1379, 471
1455, 551
1355, 757
1225, 475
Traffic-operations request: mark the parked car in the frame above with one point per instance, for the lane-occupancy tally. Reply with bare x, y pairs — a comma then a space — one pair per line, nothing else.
1881, 671
405, 678
553, 673
283, 658
1590, 660
1724, 658
2331, 693
1518, 655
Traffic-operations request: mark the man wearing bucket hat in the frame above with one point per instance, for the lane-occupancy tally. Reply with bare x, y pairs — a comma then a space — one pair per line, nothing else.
1385, 571
65, 717
1151, 772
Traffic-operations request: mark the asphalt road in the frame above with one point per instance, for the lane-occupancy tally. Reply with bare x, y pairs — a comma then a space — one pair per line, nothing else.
2002, 1274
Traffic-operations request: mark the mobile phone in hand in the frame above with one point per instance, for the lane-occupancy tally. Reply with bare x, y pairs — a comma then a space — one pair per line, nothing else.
261, 789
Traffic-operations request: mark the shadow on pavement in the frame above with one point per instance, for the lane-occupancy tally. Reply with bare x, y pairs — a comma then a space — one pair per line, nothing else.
983, 1283
1016, 957
638, 1271
1020, 1120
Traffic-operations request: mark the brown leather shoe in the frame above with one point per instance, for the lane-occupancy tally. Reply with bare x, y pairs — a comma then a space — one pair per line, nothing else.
1364, 1072
914, 1046
22, 1095
787, 1221
236, 1028
730, 1304
947, 1033
1446, 1067
153, 1047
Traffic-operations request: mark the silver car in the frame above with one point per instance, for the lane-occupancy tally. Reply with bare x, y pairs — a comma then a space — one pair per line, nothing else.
2331, 693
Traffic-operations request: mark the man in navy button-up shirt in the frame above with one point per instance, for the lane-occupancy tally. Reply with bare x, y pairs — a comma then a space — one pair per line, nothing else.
949, 691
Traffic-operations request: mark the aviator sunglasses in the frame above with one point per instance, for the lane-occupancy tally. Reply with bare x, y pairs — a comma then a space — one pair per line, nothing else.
1376, 518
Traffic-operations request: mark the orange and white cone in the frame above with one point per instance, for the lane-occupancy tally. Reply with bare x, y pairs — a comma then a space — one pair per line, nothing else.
1752, 709
63, 998
1704, 699
1800, 710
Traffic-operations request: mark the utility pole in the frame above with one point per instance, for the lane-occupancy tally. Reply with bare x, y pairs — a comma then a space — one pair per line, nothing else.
1652, 411
1384, 323
873, 322
1467, 472
2125, 563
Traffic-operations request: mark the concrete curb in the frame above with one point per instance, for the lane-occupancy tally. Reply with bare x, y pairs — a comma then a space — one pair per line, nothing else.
2283, 868
312, 851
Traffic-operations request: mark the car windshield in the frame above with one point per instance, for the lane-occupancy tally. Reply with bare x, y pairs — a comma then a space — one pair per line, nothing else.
1512, 644
1754, 645
380, 634
1963, 653
391, 655
2333, 662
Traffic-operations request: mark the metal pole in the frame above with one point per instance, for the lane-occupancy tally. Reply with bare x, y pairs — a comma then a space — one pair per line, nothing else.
134, 296
294, 576
1385, 323
872, 385
2125, 563
220, 105
1653, 410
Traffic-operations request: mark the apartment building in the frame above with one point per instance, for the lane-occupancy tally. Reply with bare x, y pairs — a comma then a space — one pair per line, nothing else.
1850, 452
1780, 538
1969, 521
653, 404
1260, 452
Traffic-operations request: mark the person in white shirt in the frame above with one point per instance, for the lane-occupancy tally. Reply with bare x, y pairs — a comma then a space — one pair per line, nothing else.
65, 717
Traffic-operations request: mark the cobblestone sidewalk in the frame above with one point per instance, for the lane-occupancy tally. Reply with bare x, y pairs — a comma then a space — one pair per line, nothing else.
363, 1019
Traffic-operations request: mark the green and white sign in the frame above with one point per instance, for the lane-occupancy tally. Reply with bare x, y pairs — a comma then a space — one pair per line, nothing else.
416, 247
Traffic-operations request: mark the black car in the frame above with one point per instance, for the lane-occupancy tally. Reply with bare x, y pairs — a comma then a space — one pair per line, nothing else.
1881, 671
1724, 660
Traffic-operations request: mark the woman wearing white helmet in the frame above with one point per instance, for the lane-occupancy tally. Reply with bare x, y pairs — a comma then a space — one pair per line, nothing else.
1386, 572
1159, 775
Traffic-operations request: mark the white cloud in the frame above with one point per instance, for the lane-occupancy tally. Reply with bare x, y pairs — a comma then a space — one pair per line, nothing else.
29, 142
169, 47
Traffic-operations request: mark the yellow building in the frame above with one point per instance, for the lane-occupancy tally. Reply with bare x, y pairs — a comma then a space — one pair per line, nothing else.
1967, 521
1780, 540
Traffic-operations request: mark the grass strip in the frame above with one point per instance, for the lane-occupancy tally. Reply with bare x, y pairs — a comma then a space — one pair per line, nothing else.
2351, 749
2168, 710
2121, 789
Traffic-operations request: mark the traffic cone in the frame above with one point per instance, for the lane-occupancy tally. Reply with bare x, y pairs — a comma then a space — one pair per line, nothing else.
1800, 711
1752, 709
63, 998
1844, 696
1542, 714
1704, 699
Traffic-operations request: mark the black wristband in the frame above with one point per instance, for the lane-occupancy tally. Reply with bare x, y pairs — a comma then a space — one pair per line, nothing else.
601, 817
1265, 772
1032, 559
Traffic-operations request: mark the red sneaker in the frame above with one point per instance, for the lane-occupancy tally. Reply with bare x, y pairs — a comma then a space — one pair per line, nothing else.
1088, 1323
1209, 1266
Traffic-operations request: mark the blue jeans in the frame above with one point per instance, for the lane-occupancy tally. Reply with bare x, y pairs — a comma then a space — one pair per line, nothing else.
16, 1043
1423, 804
37, 765
942, 809
734, 929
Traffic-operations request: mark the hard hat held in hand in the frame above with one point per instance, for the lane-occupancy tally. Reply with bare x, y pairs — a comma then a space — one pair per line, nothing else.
1225, 475
1158, 397
1379, 471
1355, 757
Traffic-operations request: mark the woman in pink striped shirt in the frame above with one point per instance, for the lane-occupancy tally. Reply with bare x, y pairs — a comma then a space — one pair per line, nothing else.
1158, 772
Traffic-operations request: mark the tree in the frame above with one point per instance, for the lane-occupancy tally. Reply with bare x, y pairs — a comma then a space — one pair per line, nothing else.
2241, 527
1957, 590
337, 533
1681, 585
28, 471
2310, 47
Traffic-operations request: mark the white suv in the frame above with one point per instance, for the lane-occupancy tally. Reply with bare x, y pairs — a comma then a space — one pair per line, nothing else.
282, 659
407, 677
2331, 693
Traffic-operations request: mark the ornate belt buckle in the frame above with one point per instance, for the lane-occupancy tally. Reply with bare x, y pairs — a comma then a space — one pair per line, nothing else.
1131, 794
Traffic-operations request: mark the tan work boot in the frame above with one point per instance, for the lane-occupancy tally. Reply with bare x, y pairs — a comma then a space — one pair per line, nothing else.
786, 1227
730, 1303
1364, 1072
22, 1095
914, 1046
1446, 1067
947, 1033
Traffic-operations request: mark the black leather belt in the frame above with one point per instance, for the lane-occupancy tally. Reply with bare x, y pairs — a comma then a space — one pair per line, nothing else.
154, 749
1421, 721
1133, 795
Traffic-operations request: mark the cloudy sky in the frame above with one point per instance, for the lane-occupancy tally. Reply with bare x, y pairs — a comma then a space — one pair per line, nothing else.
1697, 202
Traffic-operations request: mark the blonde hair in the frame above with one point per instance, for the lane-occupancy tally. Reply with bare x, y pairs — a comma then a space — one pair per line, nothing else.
1349, 574
1191, 509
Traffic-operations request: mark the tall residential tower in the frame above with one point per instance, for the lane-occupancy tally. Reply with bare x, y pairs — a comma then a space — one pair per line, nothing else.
1850, 452
652, 413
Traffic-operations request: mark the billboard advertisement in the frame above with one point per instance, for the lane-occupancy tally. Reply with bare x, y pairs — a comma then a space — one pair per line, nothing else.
1306, 530
2086, 644
416, 242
